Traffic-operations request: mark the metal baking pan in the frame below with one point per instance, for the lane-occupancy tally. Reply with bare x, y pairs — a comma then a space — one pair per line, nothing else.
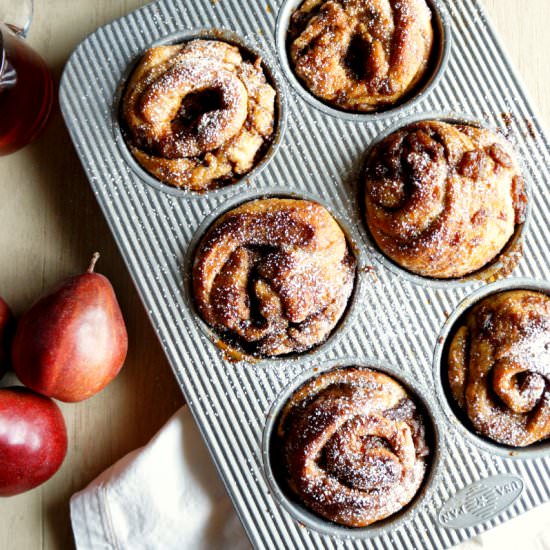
396, 321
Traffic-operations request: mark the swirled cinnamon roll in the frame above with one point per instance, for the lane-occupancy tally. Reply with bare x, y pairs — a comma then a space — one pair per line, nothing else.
274, 276
499, 367
353, 446
361, 55
443, 200
197, 115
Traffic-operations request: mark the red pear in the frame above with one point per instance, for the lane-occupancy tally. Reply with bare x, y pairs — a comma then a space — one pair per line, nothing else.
33, 440
72, 342
6, 322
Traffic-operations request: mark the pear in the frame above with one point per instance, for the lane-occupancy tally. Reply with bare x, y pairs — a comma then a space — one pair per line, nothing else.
6, 325
72, 342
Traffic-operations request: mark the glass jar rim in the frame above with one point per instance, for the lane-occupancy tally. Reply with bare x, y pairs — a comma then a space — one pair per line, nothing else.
2, 50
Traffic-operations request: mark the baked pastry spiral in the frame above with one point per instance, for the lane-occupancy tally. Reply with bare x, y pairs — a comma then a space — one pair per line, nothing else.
361, 55
274, 276
443, 200
353, 446
197, 115
499, 367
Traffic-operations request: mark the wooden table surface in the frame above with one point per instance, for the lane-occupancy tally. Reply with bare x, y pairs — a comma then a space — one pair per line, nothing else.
51, 224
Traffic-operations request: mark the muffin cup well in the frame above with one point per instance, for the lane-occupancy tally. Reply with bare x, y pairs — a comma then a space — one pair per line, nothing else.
234, 354
456, 416
273, 77
495, 269
306, 517
438, 64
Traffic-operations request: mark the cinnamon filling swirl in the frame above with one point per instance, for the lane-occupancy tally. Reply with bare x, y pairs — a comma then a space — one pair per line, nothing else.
361, 55
443, 200
198, 115
499, 367
274, 276
352, 445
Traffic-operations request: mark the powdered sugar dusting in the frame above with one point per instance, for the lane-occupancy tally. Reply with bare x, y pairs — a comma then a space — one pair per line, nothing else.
361, 55
274, 276
499, 367
353, 445
198, 114
444, 200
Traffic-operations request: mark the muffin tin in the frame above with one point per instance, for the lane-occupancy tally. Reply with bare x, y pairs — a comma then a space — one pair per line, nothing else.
393, 321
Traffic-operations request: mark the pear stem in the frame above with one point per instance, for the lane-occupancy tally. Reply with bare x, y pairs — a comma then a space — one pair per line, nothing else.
93, 261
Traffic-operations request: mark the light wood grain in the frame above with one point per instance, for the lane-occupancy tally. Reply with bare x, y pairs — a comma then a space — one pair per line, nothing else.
50, 225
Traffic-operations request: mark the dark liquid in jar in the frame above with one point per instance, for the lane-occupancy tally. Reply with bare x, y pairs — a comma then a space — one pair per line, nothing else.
26, 94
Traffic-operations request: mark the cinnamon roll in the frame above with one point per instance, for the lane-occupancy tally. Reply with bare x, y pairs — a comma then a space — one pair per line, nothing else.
353, 446
197, 115
274, 276
443, 200
361, 55
499, 367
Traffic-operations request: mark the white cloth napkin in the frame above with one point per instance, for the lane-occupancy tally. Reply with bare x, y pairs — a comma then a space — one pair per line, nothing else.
168, 496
